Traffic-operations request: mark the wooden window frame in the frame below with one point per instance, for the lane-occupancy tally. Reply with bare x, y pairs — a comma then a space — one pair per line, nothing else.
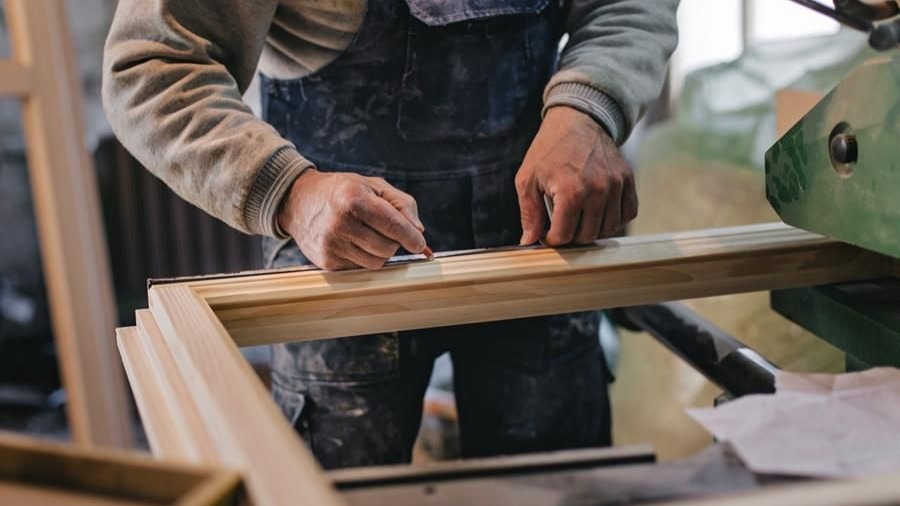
41, 74
36, 472
202, 402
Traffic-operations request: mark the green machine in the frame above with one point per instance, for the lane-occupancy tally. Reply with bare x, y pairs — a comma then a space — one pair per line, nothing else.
837, 173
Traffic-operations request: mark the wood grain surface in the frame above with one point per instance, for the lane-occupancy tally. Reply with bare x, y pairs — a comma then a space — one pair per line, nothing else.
67, 211
249, 431
296, 306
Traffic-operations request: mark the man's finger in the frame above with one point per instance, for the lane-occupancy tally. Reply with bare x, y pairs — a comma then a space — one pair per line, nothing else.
612, 217
531, 209
362, 258
564, 222
371, 241
384, 218
591, 220
629, 201
401, 201
334, 263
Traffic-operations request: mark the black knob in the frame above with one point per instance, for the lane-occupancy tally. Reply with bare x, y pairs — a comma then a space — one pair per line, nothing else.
844, 149
885, 36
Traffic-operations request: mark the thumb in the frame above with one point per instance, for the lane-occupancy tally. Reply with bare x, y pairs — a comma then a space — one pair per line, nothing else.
531, 208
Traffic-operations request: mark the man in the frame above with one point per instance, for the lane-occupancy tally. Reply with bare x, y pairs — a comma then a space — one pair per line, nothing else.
420, 123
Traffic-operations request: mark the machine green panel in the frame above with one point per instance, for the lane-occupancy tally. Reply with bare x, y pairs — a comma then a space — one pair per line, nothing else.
859, 202
860, 319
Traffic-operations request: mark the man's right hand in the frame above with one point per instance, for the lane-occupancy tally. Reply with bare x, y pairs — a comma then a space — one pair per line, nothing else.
343, 220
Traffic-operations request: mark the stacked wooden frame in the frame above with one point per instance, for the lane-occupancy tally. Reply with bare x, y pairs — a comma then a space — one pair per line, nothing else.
201, 402
41, 73
38, 473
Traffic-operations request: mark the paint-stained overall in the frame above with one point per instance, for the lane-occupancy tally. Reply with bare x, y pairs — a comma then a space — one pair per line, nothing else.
442, 100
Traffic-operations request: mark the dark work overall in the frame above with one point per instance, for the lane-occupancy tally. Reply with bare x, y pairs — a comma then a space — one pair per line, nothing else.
442, 99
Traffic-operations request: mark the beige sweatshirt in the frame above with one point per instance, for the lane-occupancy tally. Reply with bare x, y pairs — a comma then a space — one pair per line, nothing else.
175, 71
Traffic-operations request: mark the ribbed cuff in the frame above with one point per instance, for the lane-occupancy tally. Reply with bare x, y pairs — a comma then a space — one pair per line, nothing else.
592, 102
269, 189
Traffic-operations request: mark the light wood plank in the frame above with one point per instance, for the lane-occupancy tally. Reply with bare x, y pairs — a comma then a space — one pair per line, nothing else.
16, 494
295, 306
195, 444
147, 387
15, 79
63, 471
249, 431
218, 490
73, 246
169, 416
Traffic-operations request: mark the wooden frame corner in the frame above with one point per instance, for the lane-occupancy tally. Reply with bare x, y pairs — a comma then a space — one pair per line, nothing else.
39, 472
196, 326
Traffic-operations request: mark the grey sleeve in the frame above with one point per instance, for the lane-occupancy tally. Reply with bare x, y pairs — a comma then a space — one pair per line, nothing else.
174, 72
614, 63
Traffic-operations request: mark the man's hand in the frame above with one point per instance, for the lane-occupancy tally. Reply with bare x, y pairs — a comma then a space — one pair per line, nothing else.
343, 220
574, 162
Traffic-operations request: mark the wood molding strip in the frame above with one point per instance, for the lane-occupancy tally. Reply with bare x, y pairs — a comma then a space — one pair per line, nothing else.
170, 418
296, 306
194, 442
148, 388
36, 472
249, 431
67, 211
15, 79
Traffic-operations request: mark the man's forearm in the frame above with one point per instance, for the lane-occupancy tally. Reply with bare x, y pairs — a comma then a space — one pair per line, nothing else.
174, 71
614, 63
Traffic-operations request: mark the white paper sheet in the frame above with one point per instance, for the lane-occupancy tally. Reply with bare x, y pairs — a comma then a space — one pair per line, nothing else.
821, 425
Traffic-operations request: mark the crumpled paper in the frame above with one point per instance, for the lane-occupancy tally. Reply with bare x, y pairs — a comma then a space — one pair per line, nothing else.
818, 425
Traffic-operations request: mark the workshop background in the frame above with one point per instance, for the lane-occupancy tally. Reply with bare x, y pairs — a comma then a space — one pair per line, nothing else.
698, 156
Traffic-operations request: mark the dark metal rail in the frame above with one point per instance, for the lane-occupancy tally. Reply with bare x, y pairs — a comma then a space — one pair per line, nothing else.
724, 360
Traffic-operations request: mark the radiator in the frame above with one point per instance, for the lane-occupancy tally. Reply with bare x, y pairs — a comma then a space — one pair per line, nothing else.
152, 233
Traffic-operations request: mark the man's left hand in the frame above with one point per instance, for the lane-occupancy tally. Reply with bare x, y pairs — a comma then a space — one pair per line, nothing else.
577, 165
